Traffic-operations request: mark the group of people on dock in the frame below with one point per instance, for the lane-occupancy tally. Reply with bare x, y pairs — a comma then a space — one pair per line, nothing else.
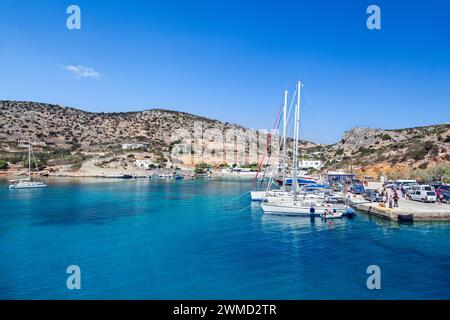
390, 197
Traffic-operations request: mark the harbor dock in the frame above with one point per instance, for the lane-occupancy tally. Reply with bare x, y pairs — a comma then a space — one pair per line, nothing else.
407, 210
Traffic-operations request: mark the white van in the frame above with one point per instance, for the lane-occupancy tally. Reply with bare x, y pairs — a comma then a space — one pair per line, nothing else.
405, 182
424, 193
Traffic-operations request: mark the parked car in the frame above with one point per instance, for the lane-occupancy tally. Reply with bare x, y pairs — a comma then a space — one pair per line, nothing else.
436, 184
442, 188
372, 195
357, 189
405, 184
411, 189
424, 193
389, 184
445, 196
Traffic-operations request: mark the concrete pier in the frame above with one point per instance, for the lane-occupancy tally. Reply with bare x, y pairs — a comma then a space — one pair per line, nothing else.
407, 210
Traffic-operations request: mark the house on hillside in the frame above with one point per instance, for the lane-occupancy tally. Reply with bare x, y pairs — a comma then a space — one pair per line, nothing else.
134, 146
308, 164
339, 177
145, 164
24, 143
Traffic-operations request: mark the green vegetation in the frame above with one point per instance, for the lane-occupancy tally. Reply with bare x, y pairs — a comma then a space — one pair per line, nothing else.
75, 145
3, 164
76, 166
397, 159
160, 159
364, 151
39, 161
439, 172
423, 165
68, 159
50, 157
253, 166
381, 158
386, 137
201, 168
12, 158
418, 152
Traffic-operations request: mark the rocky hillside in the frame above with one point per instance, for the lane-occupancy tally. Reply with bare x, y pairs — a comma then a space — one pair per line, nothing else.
368, 150
79, 131
377, 150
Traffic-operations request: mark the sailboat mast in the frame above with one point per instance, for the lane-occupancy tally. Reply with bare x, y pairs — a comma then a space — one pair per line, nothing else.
284, 137
29, 158
296, 135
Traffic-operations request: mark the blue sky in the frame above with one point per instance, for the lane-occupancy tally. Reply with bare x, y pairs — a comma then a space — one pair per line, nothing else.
231, 60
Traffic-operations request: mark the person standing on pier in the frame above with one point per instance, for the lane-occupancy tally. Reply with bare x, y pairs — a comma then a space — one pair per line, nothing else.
390, 199
395, 198
441, 198
385, 198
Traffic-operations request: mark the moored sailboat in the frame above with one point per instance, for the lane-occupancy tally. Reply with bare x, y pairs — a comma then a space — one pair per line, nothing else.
292, 202
27, 183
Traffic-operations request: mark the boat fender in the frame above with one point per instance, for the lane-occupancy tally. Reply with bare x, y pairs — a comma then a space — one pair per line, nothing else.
405, 217
312, 210
334, 210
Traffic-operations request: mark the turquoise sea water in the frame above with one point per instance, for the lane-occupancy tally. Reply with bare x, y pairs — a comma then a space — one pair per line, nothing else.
148, 239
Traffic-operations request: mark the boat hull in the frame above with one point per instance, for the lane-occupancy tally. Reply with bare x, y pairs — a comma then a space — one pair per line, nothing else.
28, 187
266, 195
302, 210
337, 215
257, 195
286, 197
294, 210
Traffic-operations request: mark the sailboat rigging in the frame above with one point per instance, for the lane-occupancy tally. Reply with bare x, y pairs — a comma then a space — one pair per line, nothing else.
298, 201
27, 183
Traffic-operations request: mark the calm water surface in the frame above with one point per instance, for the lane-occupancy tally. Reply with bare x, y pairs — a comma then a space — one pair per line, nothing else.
149, 239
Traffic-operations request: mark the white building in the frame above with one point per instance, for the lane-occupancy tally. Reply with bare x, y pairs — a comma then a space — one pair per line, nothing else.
308, 164
144, 164
133, 146
24, 143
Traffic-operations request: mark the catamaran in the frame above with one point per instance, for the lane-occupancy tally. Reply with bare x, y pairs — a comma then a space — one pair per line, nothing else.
27, 183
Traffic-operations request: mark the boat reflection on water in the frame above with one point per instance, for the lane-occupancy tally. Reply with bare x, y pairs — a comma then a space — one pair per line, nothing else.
298, 223
290, 222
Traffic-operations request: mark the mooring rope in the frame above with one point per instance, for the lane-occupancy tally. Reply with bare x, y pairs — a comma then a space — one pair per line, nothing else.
240, 196
245, 208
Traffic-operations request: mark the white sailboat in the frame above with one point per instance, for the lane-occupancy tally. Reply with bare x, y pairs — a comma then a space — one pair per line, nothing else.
291, 203
27, 183
274, 197
257, 195
264, 195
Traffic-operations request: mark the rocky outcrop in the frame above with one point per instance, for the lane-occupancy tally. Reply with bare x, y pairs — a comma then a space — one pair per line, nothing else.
392, 149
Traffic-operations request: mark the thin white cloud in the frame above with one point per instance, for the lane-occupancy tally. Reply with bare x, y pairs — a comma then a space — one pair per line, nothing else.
82, 72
